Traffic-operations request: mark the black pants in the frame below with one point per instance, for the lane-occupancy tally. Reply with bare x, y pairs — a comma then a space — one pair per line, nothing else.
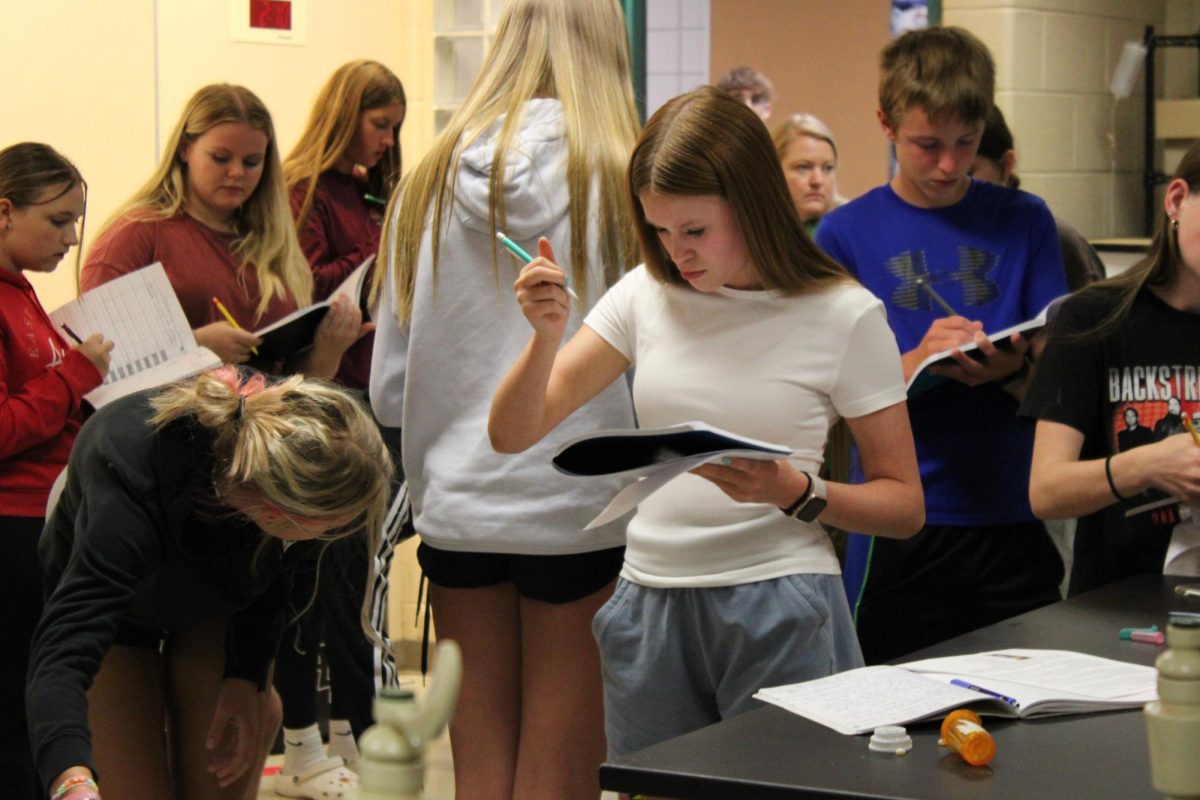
339, 582
356, 666
948, 580
21, 601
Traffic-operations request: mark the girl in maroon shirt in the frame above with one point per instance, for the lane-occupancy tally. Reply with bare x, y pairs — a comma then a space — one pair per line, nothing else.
339, 176
215, 214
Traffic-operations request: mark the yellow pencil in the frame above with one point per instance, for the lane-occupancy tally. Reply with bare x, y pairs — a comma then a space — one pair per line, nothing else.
1187, 423
229, 318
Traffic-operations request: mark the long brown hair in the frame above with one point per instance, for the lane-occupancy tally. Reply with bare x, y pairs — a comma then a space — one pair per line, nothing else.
353, 88
1160, 267
707, 143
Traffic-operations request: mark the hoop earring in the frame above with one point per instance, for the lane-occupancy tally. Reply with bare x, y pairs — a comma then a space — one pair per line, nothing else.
1175, 225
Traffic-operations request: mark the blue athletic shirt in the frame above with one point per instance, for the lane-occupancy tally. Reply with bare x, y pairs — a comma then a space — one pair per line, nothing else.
993, 256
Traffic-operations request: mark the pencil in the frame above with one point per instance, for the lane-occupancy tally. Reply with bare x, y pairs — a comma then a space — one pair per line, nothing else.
517, 251
923, 282
75, 336
1187, 423
229, 318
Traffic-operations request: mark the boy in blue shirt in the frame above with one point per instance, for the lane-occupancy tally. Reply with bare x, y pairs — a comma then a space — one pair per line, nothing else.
928, 243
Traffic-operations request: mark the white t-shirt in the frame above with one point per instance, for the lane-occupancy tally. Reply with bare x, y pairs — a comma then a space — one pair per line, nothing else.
757, 363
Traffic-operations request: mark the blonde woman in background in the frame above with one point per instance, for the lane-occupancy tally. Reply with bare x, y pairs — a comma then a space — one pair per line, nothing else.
538, 149
215, 213
165, 570
809, 156
347, 159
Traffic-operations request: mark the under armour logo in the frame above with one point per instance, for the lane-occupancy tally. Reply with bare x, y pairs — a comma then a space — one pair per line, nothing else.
972, 274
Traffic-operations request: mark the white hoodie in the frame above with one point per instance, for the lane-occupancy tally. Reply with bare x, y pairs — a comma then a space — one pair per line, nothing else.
435, 378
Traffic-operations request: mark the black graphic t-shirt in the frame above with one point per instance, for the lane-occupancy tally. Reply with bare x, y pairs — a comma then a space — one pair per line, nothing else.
1129, 388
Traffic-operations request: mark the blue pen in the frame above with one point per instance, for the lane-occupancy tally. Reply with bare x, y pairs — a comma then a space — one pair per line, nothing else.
516, 250
1012, 701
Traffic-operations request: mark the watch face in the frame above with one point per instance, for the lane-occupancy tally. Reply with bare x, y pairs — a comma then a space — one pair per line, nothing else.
811, 509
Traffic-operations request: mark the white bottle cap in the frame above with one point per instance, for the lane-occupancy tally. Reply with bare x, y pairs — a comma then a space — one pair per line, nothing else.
890, 739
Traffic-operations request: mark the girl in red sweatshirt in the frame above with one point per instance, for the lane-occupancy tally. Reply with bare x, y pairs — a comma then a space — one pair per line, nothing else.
43, 378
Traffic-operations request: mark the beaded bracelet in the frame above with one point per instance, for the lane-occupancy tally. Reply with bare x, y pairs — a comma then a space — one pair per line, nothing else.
73, 783
1111, 483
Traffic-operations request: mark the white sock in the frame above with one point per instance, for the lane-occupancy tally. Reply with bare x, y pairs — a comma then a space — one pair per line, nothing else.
341, 741
302, 748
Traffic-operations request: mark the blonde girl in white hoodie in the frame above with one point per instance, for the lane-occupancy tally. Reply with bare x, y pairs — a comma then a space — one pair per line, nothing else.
538, 149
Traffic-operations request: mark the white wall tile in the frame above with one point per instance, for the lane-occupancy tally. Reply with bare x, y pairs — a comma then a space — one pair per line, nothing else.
694, 50
692, 80
662, 51
662, 14
695, 14
660, 89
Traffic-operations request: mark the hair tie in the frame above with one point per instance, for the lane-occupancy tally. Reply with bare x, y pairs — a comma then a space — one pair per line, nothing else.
242, 388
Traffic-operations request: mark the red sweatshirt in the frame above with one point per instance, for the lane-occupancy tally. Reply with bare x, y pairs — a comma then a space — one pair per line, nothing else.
42, 383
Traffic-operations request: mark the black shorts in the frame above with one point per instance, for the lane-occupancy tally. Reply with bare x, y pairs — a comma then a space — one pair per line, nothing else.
551, 579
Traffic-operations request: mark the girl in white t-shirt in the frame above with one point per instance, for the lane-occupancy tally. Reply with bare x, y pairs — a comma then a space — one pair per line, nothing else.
738, 320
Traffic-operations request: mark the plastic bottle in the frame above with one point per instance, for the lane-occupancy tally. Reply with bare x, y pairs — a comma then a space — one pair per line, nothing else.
1173, 721
391, 752
962, 732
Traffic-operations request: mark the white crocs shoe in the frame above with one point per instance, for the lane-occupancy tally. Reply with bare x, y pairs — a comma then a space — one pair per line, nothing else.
325, 780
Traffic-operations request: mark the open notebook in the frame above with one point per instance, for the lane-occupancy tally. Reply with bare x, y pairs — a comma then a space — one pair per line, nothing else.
922, 380
294, 333
1008, 683
152, 341
652, 457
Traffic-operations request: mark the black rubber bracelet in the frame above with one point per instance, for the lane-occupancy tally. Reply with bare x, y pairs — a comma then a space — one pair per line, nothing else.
1111, 484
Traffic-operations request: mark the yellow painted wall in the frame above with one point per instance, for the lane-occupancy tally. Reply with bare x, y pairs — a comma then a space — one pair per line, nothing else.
104, 83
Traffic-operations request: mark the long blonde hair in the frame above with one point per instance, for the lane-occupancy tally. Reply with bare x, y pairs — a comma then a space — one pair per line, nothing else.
303, 445
353, 88
707, 143
266, 238
573, 50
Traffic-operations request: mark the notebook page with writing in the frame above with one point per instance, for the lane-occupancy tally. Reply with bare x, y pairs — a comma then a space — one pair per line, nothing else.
152, 340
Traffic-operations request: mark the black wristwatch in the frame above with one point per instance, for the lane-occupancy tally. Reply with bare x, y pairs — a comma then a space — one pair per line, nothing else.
810, 504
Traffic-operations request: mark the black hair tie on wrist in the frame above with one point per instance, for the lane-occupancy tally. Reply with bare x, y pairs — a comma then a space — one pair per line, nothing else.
1111, 483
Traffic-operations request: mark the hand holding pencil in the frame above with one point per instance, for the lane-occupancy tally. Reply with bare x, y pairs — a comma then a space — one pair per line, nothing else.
95, 348
226, 338
541, 292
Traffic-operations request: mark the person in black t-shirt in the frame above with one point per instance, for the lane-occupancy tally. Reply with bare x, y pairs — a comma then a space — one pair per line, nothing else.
1119, 351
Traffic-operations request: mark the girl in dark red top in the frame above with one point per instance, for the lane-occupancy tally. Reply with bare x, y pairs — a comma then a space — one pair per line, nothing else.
215, 214
43, 378
339, 176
